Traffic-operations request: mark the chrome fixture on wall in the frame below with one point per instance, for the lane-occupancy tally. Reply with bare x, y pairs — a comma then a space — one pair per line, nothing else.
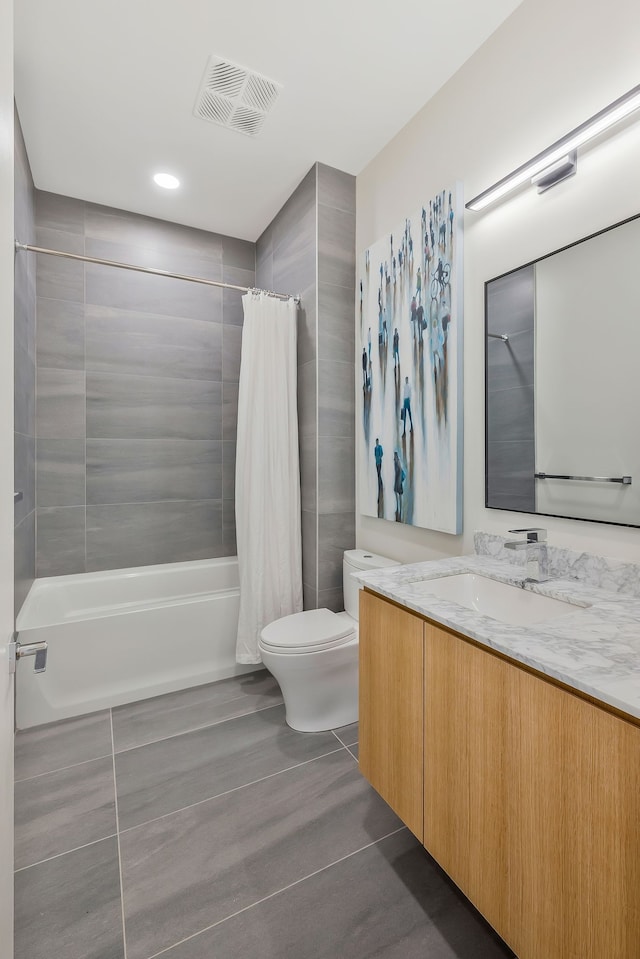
559, 160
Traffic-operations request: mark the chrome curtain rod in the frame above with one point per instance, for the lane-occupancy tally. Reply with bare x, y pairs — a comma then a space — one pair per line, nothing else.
147, 269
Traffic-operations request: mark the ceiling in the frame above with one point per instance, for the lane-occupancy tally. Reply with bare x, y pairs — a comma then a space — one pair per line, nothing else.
106, 92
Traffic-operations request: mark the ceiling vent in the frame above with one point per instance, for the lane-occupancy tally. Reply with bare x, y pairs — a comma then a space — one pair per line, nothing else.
235, 97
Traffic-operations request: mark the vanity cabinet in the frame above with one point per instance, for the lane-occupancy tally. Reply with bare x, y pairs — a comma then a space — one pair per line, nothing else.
391, 706
531, 798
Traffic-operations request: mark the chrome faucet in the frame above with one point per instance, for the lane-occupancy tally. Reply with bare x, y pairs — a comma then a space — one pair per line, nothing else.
535, 545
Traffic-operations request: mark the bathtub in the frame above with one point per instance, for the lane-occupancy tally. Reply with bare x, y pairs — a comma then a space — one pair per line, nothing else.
122, 635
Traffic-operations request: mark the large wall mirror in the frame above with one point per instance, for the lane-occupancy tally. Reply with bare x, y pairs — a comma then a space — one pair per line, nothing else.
562, 367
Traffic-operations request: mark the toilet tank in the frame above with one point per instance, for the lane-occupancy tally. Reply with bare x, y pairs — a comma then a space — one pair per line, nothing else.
354, 561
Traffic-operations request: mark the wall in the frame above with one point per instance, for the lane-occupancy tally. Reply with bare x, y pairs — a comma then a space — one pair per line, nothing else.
137, 390
544, 71
309, 249
335, 359
24, 437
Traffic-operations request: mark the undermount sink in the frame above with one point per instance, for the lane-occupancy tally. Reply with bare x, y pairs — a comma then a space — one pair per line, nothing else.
501, 601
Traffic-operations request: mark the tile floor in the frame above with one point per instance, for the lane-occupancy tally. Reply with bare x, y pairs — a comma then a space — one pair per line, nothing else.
198, 825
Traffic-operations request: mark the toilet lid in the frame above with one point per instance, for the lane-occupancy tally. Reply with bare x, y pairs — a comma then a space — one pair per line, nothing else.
314, 629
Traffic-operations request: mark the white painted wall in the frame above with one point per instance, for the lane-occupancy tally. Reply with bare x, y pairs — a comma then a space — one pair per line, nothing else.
551, 65
6, 476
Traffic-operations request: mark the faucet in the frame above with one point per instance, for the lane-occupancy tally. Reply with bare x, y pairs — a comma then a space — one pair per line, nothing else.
536, 547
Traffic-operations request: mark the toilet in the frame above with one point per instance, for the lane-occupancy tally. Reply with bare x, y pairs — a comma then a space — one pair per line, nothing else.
314, 655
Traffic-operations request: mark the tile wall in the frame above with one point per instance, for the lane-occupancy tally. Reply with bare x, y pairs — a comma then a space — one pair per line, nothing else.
137, 390
510, 396
25, 377
309, 248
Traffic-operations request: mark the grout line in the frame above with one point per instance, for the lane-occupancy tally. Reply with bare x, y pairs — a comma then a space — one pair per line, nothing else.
272, 895
351, 754
227, 792
58, 855
196, 729
178, 379
115, 795
60, 769
346, 745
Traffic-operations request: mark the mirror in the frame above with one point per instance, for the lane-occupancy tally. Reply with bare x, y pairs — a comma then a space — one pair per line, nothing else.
562, 345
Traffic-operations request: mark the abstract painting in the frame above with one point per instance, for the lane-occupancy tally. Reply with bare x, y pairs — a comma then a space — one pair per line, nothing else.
410, 395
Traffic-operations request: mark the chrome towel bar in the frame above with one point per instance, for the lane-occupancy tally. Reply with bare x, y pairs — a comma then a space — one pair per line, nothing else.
624, 480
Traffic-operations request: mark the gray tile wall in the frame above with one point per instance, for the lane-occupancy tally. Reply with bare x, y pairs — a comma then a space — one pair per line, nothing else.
137, 390
510, 385
286, 262
25, 376
336, 393
309, 248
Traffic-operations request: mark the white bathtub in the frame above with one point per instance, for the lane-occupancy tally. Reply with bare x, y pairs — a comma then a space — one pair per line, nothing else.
122, 635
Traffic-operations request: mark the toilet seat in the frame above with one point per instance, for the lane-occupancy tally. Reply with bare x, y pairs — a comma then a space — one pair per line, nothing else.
312, 631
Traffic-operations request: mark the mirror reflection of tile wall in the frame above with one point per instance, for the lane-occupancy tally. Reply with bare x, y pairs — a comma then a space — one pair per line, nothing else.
510, 392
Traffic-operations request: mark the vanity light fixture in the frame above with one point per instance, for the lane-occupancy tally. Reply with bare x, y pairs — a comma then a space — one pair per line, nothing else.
166, 180
559, 160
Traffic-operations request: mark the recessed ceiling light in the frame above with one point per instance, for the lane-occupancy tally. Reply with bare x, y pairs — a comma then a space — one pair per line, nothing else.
167, 180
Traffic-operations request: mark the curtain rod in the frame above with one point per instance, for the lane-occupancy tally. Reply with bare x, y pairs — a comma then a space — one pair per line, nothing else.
147, 269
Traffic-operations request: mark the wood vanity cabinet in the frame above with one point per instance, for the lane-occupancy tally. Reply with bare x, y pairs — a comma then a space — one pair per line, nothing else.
391, 706
531, 797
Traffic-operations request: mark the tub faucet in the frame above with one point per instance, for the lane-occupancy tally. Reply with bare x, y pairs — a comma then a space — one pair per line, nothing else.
535, 544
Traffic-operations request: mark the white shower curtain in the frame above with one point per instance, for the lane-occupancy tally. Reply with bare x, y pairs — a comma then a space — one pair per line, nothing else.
267, 471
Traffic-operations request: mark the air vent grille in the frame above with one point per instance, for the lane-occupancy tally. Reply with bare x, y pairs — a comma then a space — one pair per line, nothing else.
225, 78
260, 92
214, 108
247, 121
235, 97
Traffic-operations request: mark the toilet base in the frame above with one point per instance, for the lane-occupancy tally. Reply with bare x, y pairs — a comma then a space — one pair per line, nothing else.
320, 690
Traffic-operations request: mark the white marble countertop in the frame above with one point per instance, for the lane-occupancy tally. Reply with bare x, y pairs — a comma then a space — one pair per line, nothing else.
595, 649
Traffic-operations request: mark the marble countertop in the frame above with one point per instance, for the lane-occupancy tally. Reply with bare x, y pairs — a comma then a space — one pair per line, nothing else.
595, 649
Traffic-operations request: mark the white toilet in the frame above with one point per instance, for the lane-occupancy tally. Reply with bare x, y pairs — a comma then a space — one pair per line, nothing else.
314, 655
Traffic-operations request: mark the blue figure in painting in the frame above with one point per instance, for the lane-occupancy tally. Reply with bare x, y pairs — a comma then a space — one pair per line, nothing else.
364, 369
378, 453
450, 217
396, 346
406, 405
369, 343
398, 484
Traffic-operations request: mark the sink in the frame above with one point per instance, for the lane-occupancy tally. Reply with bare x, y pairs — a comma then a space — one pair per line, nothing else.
509, 604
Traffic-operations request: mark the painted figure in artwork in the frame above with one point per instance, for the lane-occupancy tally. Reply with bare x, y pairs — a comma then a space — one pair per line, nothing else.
406, 405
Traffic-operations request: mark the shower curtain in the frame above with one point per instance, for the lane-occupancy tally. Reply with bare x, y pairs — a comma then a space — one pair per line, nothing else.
267, 471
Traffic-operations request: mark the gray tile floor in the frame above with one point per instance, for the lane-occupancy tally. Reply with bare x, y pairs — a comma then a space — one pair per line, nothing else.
199, 825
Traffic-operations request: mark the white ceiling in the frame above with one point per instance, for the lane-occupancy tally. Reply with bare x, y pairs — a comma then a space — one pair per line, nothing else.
106, 91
